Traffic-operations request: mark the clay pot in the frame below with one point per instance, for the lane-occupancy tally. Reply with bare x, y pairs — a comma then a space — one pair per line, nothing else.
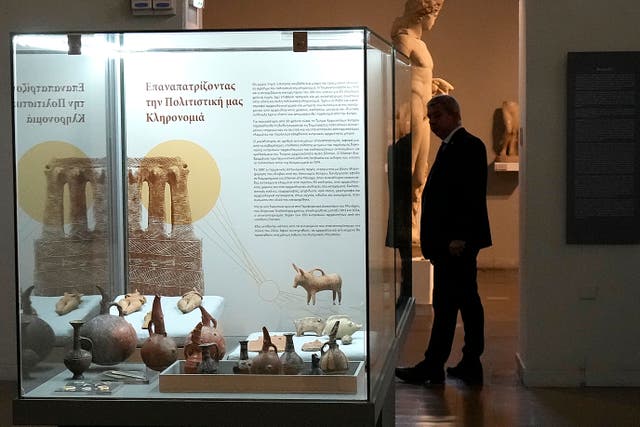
292, 363
35, 334
267, 361
114, 339
209, 363
159, 351
193, 352
210, 333
78, 360
243, 365
333, 360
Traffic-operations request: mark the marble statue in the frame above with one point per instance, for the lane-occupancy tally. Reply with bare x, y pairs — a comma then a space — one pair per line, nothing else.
511, 135
406, 33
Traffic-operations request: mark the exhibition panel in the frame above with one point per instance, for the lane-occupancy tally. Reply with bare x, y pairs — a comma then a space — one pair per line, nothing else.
205, 215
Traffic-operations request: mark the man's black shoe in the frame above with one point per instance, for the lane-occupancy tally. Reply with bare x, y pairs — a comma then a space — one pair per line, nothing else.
413, 375
470, 374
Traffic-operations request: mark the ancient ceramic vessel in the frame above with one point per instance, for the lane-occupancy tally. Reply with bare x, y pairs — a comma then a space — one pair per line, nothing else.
114, 339
35, 333
78, 360
267, 361
210, 333
347, 326
209, 363
193, 352
158, 351
292, 363
243, 365
315, 365
333, 360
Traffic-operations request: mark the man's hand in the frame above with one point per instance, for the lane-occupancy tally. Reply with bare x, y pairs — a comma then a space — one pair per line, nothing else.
456, 247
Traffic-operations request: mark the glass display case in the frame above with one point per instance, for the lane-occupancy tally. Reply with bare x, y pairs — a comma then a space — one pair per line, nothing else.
190, 203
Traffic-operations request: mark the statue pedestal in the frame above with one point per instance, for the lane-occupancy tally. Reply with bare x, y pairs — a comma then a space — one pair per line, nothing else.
422, 277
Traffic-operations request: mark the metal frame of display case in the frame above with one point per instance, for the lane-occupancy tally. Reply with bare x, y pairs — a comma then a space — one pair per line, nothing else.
377, 409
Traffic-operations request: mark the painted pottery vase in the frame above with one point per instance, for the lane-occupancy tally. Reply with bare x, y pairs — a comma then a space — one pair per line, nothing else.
210, 332
114, 338
78, 360
243, 365
159, 351
333, 360
266, 362
292, 363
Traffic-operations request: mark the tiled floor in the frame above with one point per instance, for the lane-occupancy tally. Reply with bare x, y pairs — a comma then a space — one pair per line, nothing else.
503, 401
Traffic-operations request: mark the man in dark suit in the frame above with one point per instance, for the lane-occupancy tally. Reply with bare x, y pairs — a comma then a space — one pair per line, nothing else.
454, 226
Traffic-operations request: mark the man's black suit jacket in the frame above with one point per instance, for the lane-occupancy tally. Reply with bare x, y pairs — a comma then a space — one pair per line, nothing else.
454, 199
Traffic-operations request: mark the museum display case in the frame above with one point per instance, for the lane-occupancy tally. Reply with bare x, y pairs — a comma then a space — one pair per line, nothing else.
206, 217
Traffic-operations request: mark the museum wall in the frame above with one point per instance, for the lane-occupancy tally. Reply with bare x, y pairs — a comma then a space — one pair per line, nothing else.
579, 303
474, 46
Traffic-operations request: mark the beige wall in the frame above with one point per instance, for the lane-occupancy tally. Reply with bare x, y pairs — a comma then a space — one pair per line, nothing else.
475, 47
579, 315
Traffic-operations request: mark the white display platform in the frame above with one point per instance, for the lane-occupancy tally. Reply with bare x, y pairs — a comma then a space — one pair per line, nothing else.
354, 351
46, 309
177, 324
422, 278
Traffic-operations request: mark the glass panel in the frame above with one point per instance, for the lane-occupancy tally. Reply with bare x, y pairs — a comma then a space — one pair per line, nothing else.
67, 234
400, 167
241, 172
380, 269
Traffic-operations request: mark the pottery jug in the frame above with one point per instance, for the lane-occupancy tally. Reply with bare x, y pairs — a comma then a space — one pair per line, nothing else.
78, 360
210, 332
267, 361
35, 334
333, 360
243, 365
114, 338
193, 352
209, 363
292, 363
315, 365
159, 351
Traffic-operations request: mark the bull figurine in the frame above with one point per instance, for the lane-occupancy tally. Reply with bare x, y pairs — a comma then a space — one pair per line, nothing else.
313, 283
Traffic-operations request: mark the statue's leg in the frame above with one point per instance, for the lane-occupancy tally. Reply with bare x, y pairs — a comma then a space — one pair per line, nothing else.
420, 163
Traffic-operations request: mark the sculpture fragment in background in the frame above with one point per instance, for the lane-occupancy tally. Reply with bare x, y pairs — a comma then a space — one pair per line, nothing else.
511, 135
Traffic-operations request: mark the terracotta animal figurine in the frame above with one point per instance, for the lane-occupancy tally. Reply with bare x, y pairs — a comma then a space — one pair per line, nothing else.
132, 302
347, 326
68, 302
190, 301
309, 324
313, 283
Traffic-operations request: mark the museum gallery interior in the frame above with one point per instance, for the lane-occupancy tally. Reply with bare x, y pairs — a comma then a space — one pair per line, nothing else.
215, 207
